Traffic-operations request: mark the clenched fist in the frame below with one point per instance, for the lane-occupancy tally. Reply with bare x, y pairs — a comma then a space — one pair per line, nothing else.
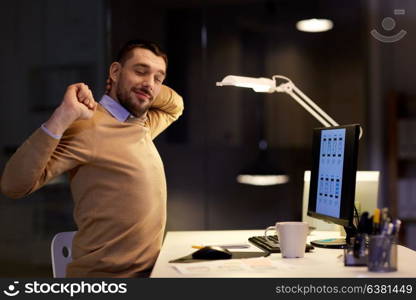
78, 104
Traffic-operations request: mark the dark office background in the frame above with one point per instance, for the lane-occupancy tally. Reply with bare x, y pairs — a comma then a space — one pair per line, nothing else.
49, 44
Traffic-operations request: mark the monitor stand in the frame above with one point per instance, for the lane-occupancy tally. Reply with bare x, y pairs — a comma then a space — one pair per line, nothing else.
337, 243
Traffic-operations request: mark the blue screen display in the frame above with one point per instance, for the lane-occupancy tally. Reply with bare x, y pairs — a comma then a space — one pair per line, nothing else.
331, 165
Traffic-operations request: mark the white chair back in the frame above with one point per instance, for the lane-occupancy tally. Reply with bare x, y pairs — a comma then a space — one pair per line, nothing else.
61, 253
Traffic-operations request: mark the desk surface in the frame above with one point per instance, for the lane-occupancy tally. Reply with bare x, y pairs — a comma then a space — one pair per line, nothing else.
319, 263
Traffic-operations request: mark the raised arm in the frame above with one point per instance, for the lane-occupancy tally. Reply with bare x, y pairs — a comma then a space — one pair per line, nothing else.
43, 155
166, 108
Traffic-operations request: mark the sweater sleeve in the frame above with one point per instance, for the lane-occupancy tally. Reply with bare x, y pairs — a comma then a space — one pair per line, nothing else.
166, 108
41, 158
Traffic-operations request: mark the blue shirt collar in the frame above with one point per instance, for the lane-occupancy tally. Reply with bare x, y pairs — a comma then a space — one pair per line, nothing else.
115, 108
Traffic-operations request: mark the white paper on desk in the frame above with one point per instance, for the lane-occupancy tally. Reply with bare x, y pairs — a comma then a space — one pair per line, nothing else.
251, 265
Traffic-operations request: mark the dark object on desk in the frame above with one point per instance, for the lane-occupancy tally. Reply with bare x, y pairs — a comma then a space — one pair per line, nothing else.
212, 252
235, 255
262, 243
351, 261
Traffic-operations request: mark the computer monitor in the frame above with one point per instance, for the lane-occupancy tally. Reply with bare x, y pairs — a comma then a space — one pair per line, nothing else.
333, 177
366, 198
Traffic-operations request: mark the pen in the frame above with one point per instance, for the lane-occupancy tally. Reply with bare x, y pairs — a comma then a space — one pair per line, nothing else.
197, 247
385, 220
376, 221
396, 227
362, 225
384, 214
390, 229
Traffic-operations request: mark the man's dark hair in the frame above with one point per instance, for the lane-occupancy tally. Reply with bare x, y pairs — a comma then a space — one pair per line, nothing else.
125, 51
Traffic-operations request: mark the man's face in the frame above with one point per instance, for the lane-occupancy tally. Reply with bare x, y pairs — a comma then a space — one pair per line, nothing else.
138, 80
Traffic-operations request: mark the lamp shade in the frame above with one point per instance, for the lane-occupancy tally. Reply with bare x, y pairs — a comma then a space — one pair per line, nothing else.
260, 85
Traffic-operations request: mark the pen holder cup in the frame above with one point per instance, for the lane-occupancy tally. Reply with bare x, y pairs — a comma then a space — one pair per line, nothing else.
382, 253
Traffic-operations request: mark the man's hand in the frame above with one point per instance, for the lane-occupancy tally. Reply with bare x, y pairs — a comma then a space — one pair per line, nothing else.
77, 104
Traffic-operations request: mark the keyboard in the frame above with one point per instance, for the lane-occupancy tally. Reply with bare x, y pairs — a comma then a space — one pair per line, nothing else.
265, 245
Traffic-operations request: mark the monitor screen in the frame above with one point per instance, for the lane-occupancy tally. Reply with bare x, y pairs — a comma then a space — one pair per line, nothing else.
334, 167
366, 197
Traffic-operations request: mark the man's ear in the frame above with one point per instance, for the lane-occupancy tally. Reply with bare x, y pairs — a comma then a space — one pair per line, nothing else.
114, 71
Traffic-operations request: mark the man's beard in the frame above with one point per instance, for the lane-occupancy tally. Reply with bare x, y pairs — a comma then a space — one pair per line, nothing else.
135, 106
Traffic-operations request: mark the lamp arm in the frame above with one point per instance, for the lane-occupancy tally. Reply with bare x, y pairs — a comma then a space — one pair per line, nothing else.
314, 106
309, 109
310, 106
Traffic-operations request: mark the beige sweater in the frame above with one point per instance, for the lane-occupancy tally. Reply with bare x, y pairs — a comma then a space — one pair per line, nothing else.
117, 182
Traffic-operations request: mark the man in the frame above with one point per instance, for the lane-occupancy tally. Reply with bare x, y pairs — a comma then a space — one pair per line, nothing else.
116, 175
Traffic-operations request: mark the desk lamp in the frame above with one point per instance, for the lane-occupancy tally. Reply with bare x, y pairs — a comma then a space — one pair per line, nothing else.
267, 85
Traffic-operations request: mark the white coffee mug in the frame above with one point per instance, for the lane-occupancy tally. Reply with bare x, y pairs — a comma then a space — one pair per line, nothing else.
292, 238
